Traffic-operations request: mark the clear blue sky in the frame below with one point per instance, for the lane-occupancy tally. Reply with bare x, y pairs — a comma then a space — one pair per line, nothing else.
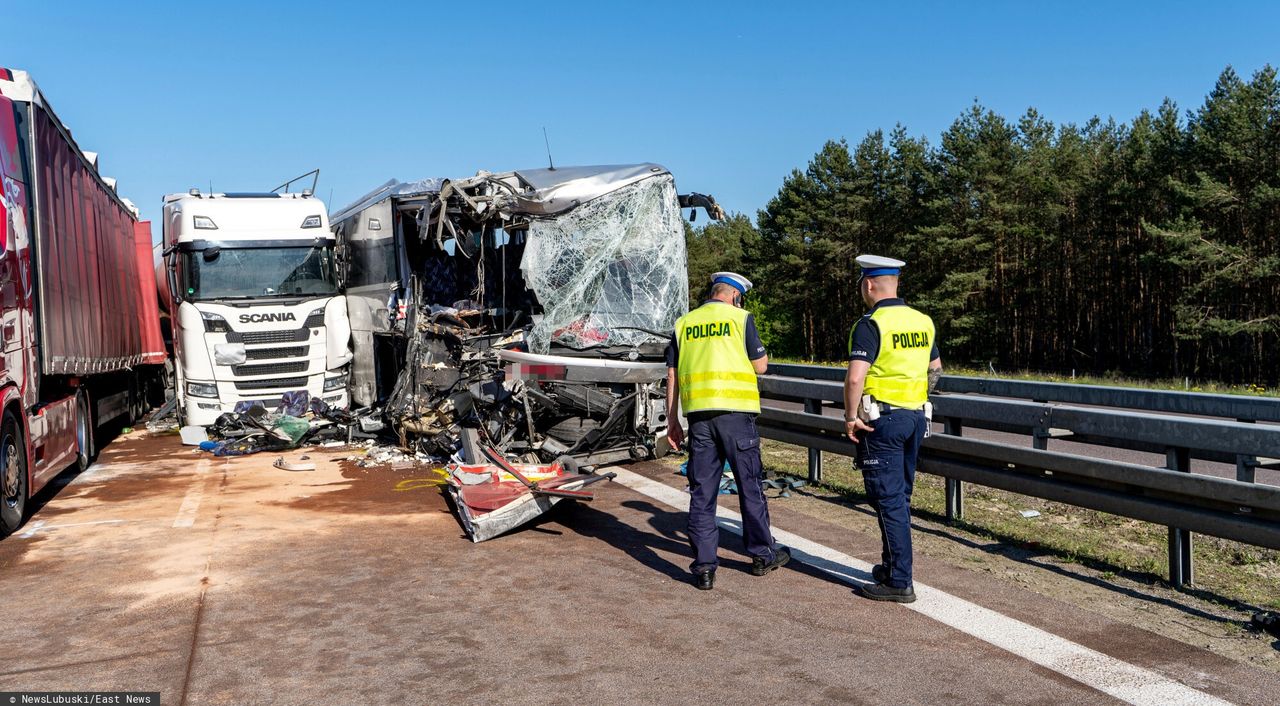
730, 96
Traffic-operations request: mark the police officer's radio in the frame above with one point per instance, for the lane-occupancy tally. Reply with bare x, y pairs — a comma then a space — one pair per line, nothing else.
869, 410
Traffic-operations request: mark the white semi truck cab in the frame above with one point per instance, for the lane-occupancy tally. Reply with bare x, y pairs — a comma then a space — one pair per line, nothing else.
254, 301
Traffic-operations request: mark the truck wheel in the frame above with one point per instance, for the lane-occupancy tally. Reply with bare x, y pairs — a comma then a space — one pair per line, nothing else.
136, 404
13, 466
84, 432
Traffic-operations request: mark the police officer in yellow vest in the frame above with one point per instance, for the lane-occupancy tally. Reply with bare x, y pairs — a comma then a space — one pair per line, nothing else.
712, 363
893, 366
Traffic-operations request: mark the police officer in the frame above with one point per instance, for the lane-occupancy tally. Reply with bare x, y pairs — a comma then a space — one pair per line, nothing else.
893, 366
712, 363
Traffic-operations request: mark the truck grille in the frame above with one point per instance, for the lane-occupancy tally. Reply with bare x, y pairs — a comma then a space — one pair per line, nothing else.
271, 368
255, 337
315, 320
276, 383
268, 353
271, 404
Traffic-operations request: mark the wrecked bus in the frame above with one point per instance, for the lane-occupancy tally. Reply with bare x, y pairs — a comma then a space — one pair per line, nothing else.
525, 310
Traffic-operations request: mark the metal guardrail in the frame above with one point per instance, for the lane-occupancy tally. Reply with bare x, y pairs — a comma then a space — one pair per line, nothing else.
1243, 409
1238, 509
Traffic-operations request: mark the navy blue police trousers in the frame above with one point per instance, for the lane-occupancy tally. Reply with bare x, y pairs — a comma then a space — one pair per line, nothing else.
887, 459
714, 438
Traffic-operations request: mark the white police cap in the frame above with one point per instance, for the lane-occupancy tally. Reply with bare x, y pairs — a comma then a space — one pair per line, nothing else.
733, 279
875, 265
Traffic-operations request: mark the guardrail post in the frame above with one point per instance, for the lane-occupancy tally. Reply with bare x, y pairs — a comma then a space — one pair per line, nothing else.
1246, 468
1246, 465
1040, 439
955, 491
815, 455
1181, 568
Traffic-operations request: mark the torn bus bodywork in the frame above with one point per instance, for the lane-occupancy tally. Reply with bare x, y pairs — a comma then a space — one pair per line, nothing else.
528, 310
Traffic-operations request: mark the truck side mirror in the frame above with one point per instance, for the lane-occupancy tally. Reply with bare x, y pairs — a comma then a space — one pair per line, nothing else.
341, 262
171, 275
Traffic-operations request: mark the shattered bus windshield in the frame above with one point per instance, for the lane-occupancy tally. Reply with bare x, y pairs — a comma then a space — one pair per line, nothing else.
611, 272
241, 273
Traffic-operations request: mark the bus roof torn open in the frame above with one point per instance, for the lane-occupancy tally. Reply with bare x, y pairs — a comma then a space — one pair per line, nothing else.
526, 309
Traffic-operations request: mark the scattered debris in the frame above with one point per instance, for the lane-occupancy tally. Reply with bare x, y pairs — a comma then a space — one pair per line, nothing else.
1268, 621
386, 455
294, 466
298, 419
729, 486
498, 496
1030, 513
784, 483
165, 418
193, 436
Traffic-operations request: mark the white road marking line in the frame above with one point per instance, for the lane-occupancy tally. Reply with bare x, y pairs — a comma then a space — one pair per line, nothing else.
31, 531
91, 470
42, 527
1124, 681
191, 503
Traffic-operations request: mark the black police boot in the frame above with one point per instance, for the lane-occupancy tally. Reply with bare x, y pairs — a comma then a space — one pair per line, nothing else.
704, 580
880, 573
881, 592
781, 556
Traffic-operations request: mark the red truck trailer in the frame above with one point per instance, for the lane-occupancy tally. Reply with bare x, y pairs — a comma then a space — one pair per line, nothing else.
78, 321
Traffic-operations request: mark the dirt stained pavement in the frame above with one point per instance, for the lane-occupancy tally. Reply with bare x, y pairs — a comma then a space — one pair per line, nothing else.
229, 581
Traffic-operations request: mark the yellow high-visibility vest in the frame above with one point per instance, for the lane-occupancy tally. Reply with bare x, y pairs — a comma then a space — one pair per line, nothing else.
900, 374
713, 369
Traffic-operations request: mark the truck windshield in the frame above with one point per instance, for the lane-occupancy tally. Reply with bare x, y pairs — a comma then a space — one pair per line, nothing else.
244, 273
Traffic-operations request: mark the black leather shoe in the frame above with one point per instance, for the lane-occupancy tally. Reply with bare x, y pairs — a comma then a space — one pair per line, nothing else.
704, 580
881, 592
880, 573
781, 556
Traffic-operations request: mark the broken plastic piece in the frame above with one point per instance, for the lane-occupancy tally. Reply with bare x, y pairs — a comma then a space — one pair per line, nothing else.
290, 429
294, 466
193, 435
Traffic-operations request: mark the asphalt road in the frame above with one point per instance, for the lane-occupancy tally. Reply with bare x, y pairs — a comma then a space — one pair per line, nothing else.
232, 582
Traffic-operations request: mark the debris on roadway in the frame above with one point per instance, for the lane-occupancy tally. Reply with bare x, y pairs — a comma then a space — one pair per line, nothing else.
298, 419
498, 496
770, 479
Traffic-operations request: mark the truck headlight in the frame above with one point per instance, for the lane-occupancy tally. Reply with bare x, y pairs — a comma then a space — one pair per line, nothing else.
335, 383
213, 323
202, 389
